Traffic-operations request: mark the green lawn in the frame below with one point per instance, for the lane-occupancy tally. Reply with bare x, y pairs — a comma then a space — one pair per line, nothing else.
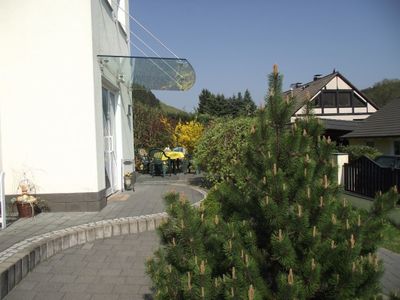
391, 238
391, 233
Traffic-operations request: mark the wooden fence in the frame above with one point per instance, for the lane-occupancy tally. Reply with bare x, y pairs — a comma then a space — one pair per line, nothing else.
365, 177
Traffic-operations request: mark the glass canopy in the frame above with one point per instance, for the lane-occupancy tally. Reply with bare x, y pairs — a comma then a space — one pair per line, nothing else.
173, 74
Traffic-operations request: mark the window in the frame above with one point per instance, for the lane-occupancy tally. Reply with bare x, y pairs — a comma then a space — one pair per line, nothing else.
329, 99
316, 101
357, 102
344, 99
396, 146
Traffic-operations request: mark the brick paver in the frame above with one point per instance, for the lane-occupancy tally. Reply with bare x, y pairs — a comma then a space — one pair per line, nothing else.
114, 268
146, 199
76, 273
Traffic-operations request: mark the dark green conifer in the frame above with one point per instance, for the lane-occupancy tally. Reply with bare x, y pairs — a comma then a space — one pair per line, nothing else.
277, 228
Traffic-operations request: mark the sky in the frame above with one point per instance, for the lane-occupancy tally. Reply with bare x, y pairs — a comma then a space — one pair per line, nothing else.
233, 44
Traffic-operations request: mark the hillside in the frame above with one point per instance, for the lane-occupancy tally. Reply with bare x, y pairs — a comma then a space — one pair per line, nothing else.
383, 91
148, 98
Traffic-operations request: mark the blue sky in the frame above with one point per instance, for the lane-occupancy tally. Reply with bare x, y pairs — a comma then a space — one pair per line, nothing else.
233, 44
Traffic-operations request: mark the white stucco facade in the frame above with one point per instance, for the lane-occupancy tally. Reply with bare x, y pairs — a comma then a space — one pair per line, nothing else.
51, 115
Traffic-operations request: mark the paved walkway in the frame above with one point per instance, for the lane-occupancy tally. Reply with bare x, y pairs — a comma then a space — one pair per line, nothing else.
147, 199
114, 268
105, 269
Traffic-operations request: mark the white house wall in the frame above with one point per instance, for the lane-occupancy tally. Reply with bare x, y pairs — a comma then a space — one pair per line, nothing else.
383, 145
109, 38
46, 78
51, 104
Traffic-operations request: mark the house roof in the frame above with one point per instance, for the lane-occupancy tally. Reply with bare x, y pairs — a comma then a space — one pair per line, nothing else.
342, 125
310, 89
384, 123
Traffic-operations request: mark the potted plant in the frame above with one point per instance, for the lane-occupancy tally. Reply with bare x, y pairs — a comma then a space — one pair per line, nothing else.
28, 204
128, 181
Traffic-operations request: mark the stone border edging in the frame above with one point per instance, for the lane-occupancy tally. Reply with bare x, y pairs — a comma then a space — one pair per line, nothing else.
21, 258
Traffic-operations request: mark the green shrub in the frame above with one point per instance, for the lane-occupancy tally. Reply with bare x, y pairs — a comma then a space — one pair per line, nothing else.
223, 143
356, 151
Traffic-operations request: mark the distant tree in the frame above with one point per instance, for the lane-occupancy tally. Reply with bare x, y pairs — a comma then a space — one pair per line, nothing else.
384, 91
249, 108
220, 106
206, 102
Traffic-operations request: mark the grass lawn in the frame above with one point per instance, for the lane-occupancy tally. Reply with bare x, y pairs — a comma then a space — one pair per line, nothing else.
391, 238
391, 233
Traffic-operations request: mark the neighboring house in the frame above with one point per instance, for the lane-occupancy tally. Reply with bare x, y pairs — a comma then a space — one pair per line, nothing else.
336, 101
64, 121
381, 130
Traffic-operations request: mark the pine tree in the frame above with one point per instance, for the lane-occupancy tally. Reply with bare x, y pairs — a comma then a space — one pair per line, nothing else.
249, 108
276, 229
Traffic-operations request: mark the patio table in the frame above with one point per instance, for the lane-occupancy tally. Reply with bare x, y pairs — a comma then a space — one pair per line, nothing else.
175, 158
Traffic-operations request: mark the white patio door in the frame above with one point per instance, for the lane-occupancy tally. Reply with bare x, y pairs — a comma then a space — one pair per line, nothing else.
110, 161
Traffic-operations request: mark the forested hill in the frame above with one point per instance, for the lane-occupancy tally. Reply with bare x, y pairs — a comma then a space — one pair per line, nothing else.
383, 91
148, 98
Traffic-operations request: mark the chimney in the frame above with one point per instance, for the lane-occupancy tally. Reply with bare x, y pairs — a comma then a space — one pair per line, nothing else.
295, 85
317, 76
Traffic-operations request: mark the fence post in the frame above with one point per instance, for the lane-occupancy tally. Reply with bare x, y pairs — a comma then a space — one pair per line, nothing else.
2, 202
340, 159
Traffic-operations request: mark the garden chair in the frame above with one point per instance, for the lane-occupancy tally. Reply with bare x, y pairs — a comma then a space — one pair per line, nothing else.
159, 162
142, 161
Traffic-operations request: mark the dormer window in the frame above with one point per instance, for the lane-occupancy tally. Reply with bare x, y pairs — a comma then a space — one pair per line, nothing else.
344, 99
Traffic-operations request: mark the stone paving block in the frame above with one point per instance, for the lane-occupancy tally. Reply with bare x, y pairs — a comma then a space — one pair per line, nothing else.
125, 227
104, 297
126, 289
95, 288
86, 278
150, 224
20, 294
110, 272
49, 296
99, 232
110, 279
48, 286
91, 234
27, 285
73, 239
11, 277
25, 265
43, 251
50, 248
76, 296
31, 260
66, 241
116, 229
81, 237
74, 287
107, 230
133, 225
142, 224
63, 278
18, 271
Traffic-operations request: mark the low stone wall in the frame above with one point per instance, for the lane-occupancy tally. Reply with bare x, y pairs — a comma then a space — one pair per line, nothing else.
17, 261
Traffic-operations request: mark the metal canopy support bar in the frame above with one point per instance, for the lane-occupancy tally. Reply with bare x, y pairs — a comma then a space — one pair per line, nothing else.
151, 73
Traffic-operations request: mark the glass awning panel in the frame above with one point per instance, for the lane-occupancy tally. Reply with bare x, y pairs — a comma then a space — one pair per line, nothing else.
174, 74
